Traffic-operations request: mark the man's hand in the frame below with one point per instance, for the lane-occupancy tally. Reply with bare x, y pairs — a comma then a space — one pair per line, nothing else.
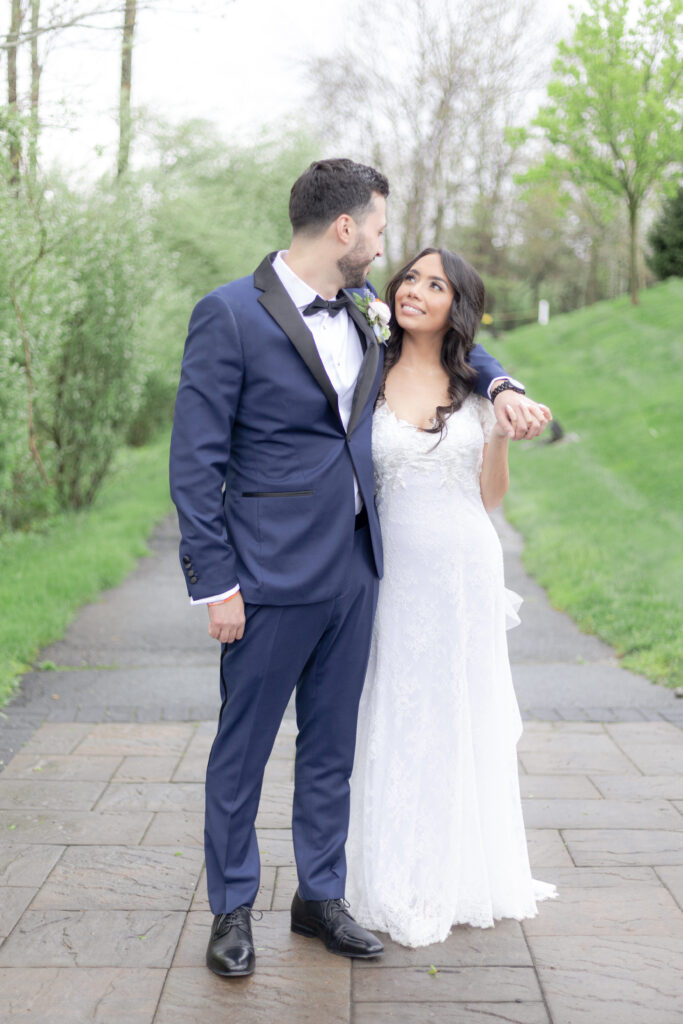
226, 620
519, 417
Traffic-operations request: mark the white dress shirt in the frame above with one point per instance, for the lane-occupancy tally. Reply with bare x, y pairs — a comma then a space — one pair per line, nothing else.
339, 347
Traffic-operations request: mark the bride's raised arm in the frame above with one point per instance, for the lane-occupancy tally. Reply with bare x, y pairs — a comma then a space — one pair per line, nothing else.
495, 476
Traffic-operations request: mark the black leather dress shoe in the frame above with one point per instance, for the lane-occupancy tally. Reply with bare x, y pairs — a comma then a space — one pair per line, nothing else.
230, 952
330, 921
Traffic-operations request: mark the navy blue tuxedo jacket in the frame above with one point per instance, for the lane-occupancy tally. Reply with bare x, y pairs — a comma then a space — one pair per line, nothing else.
261, 465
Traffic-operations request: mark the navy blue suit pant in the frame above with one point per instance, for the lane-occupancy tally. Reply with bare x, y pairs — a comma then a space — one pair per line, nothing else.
322, 650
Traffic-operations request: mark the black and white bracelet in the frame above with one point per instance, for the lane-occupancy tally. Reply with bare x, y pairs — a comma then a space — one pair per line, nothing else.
507, 385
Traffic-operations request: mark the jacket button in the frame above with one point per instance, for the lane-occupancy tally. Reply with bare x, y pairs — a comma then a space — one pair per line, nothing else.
186, 561
194, 579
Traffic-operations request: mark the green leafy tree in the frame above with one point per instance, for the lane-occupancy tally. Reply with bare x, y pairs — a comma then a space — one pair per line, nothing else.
215, 210
218, 209
76, 271
666, 239
615, 111
95, 376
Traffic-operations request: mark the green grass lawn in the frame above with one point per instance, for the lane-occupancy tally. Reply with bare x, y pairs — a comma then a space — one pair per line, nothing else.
50, 572
602, 516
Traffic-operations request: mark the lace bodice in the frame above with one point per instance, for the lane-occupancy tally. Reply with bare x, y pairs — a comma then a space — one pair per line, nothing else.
400, 449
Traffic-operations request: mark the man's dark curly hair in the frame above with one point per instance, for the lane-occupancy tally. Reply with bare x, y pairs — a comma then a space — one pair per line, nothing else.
329, 188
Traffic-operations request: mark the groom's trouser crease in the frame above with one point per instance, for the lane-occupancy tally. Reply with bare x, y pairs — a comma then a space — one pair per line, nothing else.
322, 648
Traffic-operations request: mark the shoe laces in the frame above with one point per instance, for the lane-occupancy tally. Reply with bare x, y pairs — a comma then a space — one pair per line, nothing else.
333, 907
234, 917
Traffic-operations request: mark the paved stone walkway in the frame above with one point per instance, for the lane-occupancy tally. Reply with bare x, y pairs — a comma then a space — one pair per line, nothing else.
103, 912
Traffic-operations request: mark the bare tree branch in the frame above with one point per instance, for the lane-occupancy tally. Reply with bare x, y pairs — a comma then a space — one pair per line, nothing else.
431, 107
81, 19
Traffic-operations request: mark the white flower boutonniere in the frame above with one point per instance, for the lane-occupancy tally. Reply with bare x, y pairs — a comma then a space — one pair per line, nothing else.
376, 312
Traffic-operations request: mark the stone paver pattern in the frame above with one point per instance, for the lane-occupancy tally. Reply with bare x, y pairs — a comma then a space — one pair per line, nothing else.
103, 909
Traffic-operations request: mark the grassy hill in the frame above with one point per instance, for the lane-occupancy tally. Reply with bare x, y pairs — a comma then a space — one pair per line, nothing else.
602, 513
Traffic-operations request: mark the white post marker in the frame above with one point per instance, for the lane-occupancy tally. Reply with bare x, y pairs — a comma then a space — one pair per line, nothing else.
543, 312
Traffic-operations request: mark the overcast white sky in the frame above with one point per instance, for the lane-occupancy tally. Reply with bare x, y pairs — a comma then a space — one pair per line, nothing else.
236, 63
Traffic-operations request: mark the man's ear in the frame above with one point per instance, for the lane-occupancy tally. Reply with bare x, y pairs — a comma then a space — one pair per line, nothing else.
344, 227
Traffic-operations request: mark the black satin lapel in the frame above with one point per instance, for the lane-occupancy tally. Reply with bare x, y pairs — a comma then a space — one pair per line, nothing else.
366, 377
264, 275
285, 314
367, 334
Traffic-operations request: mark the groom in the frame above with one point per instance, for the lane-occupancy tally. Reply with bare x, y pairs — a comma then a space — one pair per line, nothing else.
271, 473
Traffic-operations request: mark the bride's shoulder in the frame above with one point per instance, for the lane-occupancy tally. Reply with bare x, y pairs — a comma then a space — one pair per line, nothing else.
476, 404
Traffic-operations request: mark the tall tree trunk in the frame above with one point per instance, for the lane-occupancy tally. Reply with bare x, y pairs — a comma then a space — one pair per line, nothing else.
16, 18
437, 222
591, 294
633, 246
125, 120
36, 69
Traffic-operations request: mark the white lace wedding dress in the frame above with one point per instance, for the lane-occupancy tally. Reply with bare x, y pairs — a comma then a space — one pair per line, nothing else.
436, 832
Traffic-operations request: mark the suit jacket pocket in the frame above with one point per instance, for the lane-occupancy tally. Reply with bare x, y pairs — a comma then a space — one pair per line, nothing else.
276, 494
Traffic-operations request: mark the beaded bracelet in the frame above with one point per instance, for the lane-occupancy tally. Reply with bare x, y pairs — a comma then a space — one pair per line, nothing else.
506, 385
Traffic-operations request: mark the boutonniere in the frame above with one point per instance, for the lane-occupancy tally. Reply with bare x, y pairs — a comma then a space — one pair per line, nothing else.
376, 312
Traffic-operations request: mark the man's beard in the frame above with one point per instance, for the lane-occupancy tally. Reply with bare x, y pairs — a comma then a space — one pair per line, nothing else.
354, 266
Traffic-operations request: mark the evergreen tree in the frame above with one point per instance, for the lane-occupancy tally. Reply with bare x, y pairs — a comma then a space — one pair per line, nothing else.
666, 239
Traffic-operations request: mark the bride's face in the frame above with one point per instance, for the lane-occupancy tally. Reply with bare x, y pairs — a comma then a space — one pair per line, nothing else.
424, 297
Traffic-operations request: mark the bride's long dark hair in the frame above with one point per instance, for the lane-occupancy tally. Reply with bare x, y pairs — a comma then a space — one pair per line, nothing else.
464, 318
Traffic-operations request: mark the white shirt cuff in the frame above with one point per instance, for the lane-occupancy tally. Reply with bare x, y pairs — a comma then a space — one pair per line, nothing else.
217, 597
497, 380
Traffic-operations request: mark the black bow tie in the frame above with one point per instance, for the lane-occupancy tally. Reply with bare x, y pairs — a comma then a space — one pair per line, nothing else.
332, 306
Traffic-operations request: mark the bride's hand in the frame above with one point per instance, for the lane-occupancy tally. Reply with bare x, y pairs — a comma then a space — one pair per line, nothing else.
520, 417
504, 432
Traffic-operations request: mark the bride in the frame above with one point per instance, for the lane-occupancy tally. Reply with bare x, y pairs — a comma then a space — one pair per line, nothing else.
436, 832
